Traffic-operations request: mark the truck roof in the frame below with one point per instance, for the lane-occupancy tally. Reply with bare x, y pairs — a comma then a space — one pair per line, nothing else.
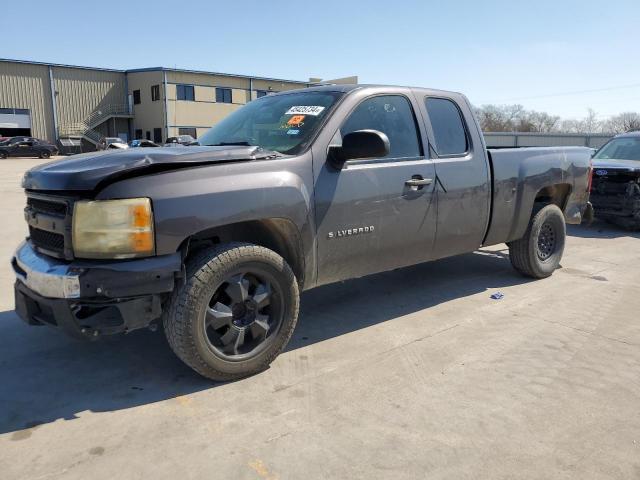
345, 88
635, 133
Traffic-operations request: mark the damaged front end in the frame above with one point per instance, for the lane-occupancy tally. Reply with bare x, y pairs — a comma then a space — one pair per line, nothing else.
615, 195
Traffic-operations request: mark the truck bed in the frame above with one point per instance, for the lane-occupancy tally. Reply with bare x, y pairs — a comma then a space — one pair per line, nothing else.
521, 174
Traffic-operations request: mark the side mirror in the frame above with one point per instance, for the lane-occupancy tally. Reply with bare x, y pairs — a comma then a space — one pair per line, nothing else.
359, 144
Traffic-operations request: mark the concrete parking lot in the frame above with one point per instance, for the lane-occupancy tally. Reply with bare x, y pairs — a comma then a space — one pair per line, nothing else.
416, 373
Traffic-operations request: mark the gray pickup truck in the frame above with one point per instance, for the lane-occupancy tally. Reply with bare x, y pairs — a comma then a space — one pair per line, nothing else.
292, 191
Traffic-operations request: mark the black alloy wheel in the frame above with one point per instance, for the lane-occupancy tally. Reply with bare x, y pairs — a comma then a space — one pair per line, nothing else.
243, 314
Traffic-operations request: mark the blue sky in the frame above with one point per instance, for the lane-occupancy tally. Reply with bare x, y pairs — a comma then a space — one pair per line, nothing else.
558, 56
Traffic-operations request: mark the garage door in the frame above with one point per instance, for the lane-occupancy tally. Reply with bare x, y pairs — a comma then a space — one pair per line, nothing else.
15, 122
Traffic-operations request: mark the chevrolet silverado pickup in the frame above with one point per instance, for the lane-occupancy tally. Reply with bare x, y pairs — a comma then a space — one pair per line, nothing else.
615, 191
292, 191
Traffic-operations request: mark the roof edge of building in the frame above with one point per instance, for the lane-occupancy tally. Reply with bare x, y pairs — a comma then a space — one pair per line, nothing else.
152, 69
61, 65
206, 72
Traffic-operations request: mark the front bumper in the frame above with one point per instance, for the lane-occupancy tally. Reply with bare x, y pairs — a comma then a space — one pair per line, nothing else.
92, 298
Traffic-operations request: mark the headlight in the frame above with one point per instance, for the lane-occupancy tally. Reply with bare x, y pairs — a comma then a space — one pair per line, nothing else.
113, 228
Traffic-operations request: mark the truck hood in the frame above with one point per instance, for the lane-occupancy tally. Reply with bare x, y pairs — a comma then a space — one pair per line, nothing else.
610, 164
90, 171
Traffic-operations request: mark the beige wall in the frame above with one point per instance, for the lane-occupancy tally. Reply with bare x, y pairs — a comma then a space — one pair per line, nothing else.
197, 114
207, 79
148, 114
273, 86
205, 112
27, 86
81, 92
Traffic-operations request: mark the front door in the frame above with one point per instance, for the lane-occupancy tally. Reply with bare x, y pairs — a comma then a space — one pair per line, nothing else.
376, 214
22, 149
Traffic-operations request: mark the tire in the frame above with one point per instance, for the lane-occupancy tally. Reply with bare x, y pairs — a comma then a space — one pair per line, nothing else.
538, 253
45, 154
220, 277
3, 155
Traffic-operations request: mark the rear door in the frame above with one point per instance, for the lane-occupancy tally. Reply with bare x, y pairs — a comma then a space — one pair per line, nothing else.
368, 218
462, 170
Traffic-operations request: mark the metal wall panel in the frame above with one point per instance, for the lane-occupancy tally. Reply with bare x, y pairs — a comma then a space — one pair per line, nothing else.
525, 139
27, 86
80, 92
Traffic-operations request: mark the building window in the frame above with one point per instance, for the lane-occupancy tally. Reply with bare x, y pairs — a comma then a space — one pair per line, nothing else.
136, 97
14, 111
261, 93
157, 135
148, 135
138, 134
188, 131
223, 95
185, 92
155, 92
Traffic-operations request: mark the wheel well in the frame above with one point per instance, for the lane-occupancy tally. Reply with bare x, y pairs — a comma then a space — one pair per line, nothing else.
554, 195
277, 234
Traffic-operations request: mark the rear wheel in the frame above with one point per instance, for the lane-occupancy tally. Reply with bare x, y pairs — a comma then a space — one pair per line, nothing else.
45, 154
235, 313
538, 253
3, 155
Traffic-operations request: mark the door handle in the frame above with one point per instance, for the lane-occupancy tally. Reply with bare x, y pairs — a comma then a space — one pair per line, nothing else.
418, 182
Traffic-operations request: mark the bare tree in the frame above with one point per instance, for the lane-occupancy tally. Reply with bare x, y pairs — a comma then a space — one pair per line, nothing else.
590, 124
515, 118
540, 122
624, 122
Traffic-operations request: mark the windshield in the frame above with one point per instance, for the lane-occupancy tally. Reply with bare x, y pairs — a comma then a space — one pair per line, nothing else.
282, 123
624, 148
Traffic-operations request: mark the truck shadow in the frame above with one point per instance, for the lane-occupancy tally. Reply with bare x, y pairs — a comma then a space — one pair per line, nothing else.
600, 229
47, 376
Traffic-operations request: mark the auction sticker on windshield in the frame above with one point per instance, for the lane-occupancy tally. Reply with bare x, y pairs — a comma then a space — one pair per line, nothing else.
313, 110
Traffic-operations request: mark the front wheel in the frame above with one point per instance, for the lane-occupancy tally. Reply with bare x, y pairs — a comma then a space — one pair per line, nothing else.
3, 155
236, 312
538, 253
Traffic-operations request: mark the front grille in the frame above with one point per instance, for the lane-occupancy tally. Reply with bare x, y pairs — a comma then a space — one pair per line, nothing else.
49, 218
47, 240
46, 206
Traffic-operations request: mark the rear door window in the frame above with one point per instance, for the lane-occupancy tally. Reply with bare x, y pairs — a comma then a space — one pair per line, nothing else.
391, 115
450, 134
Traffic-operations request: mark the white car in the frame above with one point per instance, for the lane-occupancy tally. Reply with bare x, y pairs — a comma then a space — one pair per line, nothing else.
112, 142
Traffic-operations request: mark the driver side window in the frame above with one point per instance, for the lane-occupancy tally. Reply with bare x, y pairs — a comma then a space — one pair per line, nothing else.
391, 115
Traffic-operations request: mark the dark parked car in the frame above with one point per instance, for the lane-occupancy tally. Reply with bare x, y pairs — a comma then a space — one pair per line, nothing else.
27, 147
180, 140
141, 143
292, 191
615, 189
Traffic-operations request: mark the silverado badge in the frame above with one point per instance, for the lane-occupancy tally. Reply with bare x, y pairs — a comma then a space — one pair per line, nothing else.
349, 232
